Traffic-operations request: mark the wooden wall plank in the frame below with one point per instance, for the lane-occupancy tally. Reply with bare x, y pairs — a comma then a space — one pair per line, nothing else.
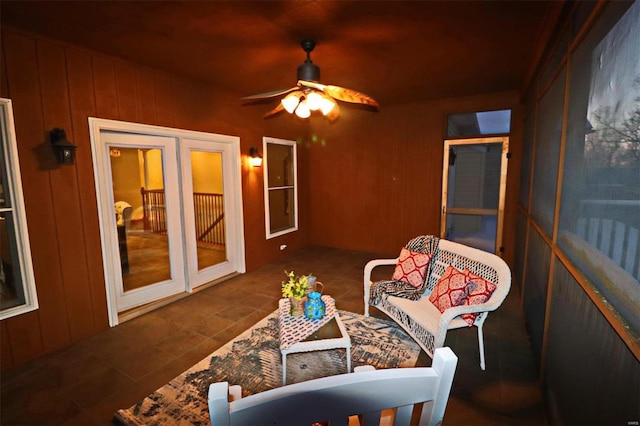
187, 106
36, 158
146, 95
66, 202
4, 85
164, 99
106, 93
26, 336
83, 105
6, 357
126, 91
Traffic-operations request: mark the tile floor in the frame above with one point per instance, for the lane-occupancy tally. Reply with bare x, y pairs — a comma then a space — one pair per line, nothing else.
87, 382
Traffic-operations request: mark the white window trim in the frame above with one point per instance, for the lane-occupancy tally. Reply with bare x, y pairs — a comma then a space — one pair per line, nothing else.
14, 191
267, 220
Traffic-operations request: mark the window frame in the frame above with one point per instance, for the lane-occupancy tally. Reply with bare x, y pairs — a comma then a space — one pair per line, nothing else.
17, 209
267, 208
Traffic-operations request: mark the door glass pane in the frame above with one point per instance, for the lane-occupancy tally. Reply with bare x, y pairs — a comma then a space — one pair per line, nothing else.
208, 207
4, 200
141, 219
473, 230
474, 176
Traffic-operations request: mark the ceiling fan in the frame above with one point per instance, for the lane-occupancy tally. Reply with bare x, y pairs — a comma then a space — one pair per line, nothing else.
309, 95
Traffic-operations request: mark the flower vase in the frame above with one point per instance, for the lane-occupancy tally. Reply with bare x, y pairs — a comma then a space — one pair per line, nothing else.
314, 307
296, 307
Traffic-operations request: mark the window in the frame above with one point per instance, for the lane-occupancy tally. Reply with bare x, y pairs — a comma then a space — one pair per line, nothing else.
600, 207
479, 123
18, 291
280, 187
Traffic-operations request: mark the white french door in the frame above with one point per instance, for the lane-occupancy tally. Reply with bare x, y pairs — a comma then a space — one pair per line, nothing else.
170, 207
149, 258
205, 183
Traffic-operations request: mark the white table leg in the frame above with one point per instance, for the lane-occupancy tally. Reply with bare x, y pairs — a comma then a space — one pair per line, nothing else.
348, 359
284, 369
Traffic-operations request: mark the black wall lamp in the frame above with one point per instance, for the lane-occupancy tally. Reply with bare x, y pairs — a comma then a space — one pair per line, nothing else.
65, 150
254, 157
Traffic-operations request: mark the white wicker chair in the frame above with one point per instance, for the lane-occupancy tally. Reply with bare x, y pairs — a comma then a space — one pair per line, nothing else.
420, 318
366, 393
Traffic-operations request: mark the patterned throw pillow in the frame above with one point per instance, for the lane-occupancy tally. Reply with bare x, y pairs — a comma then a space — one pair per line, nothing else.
479, 291
451, 289
411, 267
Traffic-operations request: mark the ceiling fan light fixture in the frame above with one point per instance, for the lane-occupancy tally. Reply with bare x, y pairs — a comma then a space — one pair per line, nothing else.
314, 100
291, 101
303, 110
310, 95
309, 71
327, 104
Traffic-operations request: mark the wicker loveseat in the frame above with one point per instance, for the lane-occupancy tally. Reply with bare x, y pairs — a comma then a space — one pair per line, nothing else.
420, 318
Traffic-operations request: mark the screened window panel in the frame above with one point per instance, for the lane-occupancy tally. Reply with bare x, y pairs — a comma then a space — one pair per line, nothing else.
579, 339
547, 150
554, 60
535, 289
521, 237
600, 205
527, 153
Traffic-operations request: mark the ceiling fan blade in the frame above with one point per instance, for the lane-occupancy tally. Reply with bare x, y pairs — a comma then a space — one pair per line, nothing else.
342, 94
276, 110
267, 95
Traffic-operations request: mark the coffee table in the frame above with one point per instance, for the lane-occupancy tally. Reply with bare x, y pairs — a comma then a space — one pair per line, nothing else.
300, 334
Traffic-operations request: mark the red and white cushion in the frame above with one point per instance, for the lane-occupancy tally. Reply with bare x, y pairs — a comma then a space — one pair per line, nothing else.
411, 267
451, 289
479, 291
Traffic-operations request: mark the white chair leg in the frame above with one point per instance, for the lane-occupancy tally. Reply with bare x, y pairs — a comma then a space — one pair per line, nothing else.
366, 299
481, 346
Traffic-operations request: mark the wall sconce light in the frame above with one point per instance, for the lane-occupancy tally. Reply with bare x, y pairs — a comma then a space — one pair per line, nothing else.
254, 157
65, 150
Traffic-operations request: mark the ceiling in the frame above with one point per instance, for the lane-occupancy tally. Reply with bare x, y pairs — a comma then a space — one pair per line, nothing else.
394, 51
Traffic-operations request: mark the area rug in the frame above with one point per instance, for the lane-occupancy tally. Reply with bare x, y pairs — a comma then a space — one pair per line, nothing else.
253, 361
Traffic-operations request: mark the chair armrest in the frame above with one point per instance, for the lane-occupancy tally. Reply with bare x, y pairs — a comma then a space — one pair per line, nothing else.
449, 314
368, 269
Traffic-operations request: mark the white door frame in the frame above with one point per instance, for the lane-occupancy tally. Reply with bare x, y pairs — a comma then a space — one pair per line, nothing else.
499, 211
101, 168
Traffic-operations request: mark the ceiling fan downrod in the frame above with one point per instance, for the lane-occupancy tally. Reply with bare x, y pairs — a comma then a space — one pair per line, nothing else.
308, 71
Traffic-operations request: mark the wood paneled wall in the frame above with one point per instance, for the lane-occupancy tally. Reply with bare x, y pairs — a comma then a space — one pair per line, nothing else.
368, 182
55, 85
376, 178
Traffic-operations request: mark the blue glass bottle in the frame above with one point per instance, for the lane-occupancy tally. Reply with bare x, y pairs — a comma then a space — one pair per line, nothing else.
314, 307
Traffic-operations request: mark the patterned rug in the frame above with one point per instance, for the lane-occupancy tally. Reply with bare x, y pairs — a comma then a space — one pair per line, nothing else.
253, 361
